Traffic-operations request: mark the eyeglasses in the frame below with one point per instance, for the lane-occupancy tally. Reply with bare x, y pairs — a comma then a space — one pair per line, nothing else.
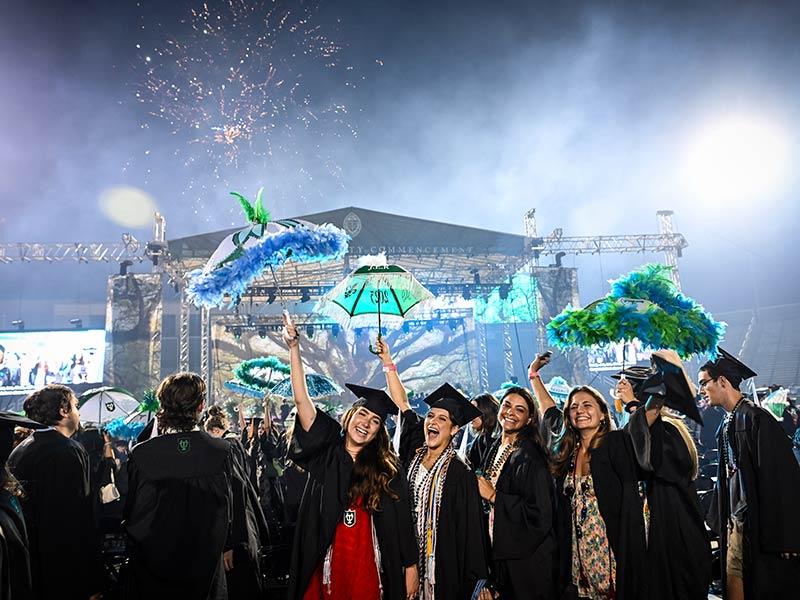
704, 382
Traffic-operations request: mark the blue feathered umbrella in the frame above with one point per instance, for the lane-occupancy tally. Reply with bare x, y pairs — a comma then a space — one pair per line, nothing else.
319, 386
243, 256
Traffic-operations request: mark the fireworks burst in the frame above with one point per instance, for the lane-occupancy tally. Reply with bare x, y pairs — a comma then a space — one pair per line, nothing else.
237, 86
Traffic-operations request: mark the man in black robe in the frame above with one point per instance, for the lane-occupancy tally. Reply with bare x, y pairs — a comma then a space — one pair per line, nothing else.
15, 564
54, 473
190, 514
458, 560
757, 491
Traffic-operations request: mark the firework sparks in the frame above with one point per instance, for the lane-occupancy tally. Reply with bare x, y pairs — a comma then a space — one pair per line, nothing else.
234, 86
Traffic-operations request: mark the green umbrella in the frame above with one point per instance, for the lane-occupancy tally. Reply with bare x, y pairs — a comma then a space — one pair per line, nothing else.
386, 291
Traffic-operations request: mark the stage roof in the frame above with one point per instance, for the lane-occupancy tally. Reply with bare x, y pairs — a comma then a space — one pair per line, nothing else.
435, 252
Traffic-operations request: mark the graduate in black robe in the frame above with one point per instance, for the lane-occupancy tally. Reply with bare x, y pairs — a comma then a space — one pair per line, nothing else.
54, 473
190, 513
244, 579
488, 405
326, 452
615, 476
15, 564
518, 489
459, 563
757, 489
678, 546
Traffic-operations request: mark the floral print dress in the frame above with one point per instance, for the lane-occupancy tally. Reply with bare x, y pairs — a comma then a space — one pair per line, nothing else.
593, 564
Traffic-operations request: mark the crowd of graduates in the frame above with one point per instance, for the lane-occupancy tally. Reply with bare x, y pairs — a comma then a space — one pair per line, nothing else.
545, 502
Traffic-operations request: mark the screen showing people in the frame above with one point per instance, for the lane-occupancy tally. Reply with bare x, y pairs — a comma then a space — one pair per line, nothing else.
31, 359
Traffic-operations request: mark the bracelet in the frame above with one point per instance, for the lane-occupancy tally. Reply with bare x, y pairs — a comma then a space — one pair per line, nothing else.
534, 375
390, 367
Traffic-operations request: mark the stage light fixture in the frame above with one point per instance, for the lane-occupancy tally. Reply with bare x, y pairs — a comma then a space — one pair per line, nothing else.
18, 324
453, 324
429, 326
335, 330
305, 296
406, 327
123, 266
237, 333
262, 332
77, 323
466, 293
476, 277
270, 296
503, 291
310, 331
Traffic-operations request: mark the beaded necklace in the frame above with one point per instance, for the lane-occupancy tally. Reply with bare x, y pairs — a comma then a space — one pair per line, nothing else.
496, 463
728, 448
427, 502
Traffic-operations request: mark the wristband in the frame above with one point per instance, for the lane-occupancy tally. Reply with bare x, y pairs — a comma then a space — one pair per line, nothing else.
391, 367
534, 375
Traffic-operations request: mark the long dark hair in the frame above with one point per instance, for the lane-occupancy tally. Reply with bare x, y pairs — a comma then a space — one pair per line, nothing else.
532, 430
375, 467
570, 436
488, 405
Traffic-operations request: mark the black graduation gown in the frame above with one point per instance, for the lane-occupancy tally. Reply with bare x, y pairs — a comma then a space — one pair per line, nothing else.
678, 548
480, 447
15, 567
182, 513
615, 475
770, 478
461, 548
524, 545
320, 451
63, 542
249, 530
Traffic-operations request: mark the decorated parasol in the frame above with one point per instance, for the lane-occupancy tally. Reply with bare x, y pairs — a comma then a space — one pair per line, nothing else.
375, 289
318, 386
246, 254
102, 404
257, 376
646, 305
129, 427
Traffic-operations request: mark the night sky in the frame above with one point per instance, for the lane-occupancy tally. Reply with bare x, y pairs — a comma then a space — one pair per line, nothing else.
458, 111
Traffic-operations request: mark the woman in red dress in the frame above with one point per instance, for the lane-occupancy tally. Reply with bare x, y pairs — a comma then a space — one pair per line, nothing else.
355, 537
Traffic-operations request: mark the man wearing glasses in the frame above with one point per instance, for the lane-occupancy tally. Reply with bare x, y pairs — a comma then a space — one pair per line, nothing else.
757, 490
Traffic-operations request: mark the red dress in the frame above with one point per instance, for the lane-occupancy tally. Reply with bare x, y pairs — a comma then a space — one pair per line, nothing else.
354, 575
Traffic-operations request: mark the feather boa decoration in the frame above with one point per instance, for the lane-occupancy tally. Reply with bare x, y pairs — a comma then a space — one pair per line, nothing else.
243, 372
149, 403
121, 430
646, 305
300, 243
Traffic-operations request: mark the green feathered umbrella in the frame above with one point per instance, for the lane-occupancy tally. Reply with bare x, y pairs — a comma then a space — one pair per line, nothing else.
644, 304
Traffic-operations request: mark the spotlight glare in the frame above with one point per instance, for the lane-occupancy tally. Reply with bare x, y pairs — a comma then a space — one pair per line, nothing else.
737, 157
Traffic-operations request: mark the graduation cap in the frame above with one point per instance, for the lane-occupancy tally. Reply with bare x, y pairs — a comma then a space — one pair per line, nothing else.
730, 367
8, 421
636, 375
454, 402
373, 400
669, 380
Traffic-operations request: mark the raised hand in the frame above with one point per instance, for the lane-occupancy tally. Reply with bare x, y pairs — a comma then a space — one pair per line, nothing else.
290, 335
383, 352
540, 361
624, 391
